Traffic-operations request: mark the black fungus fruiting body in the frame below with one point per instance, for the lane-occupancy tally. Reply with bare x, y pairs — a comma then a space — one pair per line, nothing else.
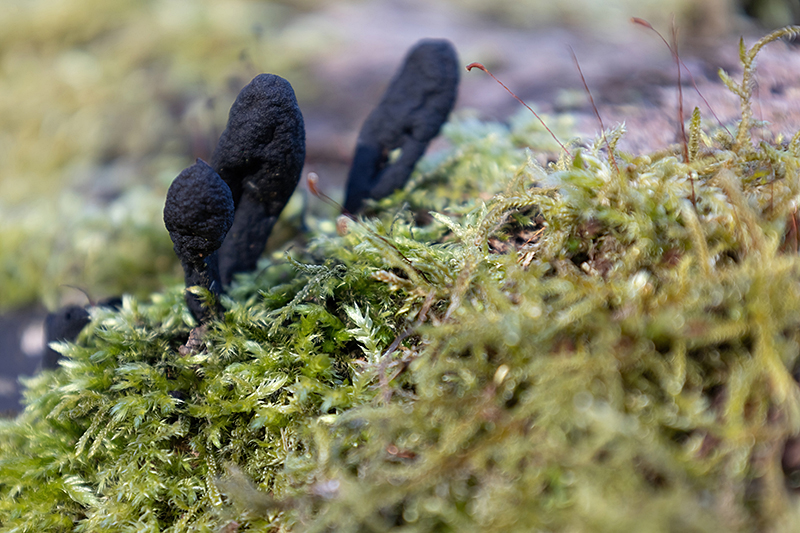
198, 214
260, 156
62, 325
411, 113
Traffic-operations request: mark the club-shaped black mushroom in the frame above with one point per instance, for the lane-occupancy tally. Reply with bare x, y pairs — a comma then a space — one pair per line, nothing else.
260, 156
198, 214
413, 109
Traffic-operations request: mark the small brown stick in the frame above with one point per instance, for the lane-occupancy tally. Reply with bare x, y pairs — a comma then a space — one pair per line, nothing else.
757, 96
91, 302
596, 112
313, 185
680, 99
486, 70
771, 196
642, 22
383, 379
682, 128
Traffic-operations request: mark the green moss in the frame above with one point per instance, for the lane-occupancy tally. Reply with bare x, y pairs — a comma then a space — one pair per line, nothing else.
502, 347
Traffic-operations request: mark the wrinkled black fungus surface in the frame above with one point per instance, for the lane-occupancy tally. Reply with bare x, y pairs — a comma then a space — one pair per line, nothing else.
64, 325
198, 211
413, 109
198, 214
260, 156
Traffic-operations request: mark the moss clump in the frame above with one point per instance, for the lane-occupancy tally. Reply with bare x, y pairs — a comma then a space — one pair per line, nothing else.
625, 364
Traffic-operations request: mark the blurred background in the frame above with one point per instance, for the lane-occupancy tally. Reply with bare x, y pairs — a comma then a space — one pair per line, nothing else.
103, 103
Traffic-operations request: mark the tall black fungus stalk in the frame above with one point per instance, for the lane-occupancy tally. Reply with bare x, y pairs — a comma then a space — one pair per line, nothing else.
198, 214
413, 109
260, 156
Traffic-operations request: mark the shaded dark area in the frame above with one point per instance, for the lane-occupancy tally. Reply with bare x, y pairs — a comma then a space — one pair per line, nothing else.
64, 324
22, 343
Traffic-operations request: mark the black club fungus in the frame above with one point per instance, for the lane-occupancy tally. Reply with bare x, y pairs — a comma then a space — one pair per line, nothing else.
413, 109
198, 214
260, 156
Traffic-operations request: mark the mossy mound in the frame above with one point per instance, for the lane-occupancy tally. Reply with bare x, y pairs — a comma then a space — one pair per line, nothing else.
604, 345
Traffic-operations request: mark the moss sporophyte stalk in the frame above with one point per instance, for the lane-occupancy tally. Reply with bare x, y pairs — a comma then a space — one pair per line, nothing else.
501, 347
